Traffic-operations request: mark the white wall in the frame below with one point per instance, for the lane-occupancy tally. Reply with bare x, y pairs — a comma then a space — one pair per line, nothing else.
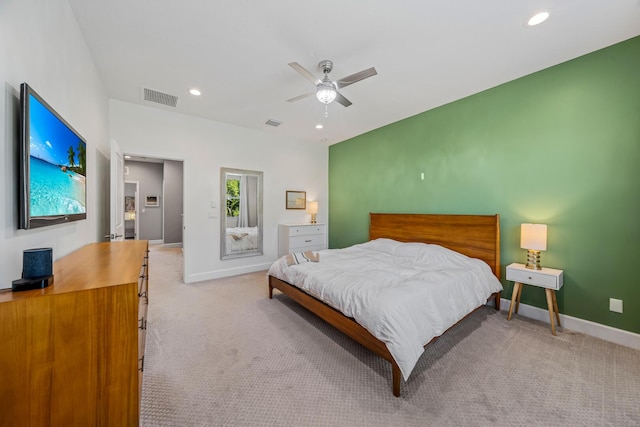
41, 44
206, 146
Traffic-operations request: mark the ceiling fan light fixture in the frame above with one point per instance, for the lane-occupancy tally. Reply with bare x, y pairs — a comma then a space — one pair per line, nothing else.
326, 92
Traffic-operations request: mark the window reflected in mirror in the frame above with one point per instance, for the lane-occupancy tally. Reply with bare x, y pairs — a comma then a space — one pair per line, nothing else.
241, 219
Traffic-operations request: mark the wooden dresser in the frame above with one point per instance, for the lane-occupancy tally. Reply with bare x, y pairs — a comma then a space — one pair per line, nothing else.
72, 354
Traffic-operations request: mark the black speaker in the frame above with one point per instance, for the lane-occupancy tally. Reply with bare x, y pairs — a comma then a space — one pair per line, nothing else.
37, 263
37, 270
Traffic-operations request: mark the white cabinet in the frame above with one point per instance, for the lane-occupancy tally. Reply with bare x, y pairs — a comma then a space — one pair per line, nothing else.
301, 238
549, 278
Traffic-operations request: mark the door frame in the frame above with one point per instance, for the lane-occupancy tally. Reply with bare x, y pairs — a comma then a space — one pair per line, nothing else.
116, 180
137, 203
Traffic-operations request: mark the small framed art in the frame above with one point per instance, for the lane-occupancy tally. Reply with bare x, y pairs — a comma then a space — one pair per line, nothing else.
152, 201
296, 199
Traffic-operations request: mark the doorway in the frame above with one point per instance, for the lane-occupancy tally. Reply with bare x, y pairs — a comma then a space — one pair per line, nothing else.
160, 201
118, 173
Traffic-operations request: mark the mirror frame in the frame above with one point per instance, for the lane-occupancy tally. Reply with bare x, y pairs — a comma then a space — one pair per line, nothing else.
223, 213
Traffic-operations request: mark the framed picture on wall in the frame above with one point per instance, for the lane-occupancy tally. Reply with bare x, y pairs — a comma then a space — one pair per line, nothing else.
152, 201
129, 204
296, 199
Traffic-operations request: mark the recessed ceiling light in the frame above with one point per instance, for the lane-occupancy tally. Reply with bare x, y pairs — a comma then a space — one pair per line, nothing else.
319, 126
195, 92
538, 18
126, 156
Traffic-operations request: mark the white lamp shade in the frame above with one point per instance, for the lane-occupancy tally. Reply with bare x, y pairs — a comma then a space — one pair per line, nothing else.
312, 207
533, 236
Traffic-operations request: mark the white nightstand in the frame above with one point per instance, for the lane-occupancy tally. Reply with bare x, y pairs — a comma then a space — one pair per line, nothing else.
548, 278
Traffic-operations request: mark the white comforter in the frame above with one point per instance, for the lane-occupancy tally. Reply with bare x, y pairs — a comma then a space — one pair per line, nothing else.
405, 294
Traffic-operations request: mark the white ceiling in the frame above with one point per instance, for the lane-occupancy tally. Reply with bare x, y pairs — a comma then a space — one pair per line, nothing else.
427, 53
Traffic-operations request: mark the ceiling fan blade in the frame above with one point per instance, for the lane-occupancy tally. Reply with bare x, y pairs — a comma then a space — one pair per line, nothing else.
353, 78
340, 99
304, 72
297, 98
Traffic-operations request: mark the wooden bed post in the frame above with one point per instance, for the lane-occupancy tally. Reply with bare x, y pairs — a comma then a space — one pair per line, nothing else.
396, 375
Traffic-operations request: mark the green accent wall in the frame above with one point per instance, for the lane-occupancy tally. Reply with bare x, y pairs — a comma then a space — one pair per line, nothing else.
559, 147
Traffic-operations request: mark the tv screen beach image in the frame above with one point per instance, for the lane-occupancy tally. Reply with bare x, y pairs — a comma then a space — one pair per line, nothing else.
57, 163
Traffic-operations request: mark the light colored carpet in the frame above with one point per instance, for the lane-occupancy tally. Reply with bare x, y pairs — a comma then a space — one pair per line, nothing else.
220, 353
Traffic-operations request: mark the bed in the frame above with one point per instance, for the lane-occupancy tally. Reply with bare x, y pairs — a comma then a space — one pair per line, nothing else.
473, 236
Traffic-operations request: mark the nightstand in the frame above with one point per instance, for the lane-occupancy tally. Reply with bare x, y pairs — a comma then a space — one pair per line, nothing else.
548, 278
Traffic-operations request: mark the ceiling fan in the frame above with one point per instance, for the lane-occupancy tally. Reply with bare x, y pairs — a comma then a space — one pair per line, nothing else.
326, 89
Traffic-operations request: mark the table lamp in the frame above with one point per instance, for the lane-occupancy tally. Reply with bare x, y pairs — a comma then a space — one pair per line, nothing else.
312, 208
533, 238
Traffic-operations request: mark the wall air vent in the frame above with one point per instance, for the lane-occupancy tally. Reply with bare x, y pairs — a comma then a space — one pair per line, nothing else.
273, 123
160, 98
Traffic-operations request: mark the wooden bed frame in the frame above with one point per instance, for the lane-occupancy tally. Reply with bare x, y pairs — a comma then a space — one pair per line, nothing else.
477, 236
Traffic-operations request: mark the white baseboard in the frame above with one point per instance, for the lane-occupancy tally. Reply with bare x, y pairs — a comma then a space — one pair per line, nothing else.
156, 242
604, 332
172, 245
228, 272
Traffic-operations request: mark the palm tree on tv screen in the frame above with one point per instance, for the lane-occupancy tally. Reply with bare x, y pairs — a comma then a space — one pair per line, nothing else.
82, 157
71, 156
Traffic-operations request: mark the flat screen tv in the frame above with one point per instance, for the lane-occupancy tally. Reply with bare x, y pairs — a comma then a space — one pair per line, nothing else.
53, 188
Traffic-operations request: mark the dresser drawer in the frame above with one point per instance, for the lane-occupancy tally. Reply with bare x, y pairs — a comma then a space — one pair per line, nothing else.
143, 277
308, 248
546, 278
303, 242
301, 238
303, 230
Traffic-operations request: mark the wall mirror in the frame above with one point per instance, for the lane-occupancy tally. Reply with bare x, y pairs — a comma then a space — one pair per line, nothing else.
240, 213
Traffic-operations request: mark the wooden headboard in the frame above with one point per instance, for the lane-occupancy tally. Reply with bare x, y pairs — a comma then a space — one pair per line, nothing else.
476, 236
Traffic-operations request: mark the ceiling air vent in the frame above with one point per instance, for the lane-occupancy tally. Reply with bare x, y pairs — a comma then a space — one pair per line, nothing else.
160, 98
273, 123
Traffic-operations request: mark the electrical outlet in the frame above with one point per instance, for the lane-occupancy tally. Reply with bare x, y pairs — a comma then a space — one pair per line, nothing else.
615, 305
